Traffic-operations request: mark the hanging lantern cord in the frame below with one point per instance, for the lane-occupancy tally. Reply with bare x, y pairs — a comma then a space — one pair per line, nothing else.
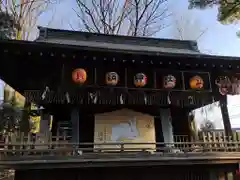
169, 98
63, 86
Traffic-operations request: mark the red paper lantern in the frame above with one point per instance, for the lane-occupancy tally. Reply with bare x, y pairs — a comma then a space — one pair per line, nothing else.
196, 82
79, 76
140, 80
112, 78
169, 81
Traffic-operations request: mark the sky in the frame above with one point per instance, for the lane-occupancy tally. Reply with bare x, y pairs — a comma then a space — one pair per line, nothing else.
213, 114
219, 39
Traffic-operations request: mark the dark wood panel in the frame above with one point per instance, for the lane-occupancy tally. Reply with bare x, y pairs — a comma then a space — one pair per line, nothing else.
184, 172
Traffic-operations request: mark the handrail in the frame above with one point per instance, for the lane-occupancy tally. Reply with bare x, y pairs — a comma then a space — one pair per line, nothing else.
188, 146
18, 145
119, 143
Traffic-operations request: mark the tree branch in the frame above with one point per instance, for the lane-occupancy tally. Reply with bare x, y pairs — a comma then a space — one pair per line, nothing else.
88, 12
116, 17
26, 12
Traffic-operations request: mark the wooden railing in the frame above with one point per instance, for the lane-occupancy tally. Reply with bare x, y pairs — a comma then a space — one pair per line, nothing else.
188, 151
7, 174
20, 145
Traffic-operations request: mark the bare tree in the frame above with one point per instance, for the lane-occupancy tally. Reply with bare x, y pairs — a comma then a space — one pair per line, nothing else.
185, 27
26, 13
126, 17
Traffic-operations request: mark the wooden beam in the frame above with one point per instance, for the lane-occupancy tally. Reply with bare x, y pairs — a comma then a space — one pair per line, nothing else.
225, 115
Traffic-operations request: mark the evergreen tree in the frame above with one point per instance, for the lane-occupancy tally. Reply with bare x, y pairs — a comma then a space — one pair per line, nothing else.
228, 10
8, 26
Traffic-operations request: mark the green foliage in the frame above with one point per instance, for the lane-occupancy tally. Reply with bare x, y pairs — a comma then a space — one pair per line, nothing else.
11, 111
10, 118
8, 26
238, 34
228, 10
202, 4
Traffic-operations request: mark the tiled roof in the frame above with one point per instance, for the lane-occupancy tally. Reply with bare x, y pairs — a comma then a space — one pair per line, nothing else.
116, 42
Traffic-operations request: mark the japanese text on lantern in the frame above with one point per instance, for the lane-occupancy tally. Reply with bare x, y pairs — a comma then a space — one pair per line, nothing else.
140, 80
79, 76
112, 78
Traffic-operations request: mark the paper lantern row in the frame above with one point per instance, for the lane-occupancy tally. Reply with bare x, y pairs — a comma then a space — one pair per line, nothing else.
79, 76
196, 82
228, 85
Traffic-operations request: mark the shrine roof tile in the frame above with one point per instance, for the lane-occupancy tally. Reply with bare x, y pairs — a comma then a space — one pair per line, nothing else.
117, 42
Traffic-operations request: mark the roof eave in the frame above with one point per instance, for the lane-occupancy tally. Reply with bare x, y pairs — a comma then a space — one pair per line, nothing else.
118, 47
41, 44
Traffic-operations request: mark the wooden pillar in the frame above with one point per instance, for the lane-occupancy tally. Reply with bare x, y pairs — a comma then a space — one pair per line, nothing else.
75, 124
224, 176
167, 128
221, 176
213, 175
45, 123
225, 115
230, 176
159, 132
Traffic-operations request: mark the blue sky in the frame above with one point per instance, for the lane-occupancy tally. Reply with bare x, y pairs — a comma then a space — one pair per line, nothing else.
219, 39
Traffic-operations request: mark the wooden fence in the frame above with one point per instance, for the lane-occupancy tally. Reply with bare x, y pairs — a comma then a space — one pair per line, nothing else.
7, 174
31, 147
206, 141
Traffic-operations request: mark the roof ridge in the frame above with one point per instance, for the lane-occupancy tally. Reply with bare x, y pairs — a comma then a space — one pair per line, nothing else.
48, 33
110, 35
